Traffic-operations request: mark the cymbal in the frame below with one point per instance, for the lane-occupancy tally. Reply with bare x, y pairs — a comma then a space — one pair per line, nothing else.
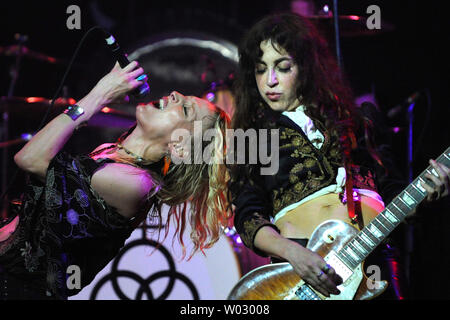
27, 105
350, 25
32, 109
15, 50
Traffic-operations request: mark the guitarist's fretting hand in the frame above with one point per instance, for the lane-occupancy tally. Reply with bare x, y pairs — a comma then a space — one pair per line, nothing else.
313, 269
441, 184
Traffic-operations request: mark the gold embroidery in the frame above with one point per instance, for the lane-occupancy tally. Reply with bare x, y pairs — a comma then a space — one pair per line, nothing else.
296, 141
308, 174
250, 228
310, 163
299, 187
297, 168
295, 138
334, 152
307, 149
293, 178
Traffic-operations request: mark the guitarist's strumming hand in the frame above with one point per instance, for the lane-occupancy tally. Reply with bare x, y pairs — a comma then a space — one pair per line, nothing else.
313, 269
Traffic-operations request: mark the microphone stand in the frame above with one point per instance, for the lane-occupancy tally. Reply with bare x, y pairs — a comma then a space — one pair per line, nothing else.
336, 34
14, 72
409, 236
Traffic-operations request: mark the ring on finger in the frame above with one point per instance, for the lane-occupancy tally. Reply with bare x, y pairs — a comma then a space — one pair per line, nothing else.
320, 274
326, 268
435, 195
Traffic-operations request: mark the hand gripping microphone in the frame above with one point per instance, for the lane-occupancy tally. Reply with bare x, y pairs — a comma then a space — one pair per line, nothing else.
121, 57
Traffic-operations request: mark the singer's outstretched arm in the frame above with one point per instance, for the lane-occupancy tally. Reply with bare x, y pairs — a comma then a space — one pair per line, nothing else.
36, 155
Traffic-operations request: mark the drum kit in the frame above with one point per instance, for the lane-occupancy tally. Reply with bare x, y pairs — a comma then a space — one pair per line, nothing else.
34, 108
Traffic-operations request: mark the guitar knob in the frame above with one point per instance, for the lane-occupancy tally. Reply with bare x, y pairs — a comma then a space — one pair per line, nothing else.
328, 238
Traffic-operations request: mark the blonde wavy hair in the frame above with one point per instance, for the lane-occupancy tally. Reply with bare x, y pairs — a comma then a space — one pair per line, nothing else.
202, 184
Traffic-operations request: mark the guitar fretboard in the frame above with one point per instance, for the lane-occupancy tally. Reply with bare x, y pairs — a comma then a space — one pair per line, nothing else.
357, 249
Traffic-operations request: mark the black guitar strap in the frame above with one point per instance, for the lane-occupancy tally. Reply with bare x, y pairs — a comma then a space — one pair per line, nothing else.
358, 212
353, 200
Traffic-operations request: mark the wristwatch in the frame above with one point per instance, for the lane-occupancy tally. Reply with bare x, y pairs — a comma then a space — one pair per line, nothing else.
74, 111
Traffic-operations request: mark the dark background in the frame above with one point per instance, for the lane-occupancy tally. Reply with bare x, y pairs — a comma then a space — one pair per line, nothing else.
410, 57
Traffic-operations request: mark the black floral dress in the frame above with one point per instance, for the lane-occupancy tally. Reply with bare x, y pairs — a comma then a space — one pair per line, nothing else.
62, 222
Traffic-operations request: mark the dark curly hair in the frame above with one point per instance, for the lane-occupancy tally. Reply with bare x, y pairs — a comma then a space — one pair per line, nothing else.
321, 87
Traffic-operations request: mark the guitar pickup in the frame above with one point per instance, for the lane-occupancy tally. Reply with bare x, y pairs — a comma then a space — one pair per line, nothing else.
306, 293
339, 266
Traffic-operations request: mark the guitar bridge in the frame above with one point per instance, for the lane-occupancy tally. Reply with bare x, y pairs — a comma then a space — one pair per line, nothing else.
339, 266
306, 293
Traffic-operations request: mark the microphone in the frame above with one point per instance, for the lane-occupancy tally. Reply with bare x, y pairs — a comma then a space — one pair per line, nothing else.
121, 57
398, 108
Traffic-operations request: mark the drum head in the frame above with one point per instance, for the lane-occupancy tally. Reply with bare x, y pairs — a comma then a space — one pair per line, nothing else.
150, 268
185, 62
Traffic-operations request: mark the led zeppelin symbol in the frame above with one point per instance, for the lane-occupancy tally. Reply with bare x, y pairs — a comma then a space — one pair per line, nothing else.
144, 284
149, 267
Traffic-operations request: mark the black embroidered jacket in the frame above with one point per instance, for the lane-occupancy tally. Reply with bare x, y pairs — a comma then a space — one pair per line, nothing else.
303, 170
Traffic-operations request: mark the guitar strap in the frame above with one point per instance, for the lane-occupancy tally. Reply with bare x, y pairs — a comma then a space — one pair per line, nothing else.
353, 200
358, 212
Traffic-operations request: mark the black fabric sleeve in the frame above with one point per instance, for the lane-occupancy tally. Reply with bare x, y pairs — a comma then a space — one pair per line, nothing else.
252, 212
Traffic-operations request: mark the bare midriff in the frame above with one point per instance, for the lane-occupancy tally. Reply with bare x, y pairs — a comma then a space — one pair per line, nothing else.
301, 221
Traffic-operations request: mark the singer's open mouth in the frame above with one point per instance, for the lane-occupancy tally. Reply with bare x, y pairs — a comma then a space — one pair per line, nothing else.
163, 103
158, 104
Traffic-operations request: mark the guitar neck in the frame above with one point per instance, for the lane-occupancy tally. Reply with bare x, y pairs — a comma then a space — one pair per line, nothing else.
357, 249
